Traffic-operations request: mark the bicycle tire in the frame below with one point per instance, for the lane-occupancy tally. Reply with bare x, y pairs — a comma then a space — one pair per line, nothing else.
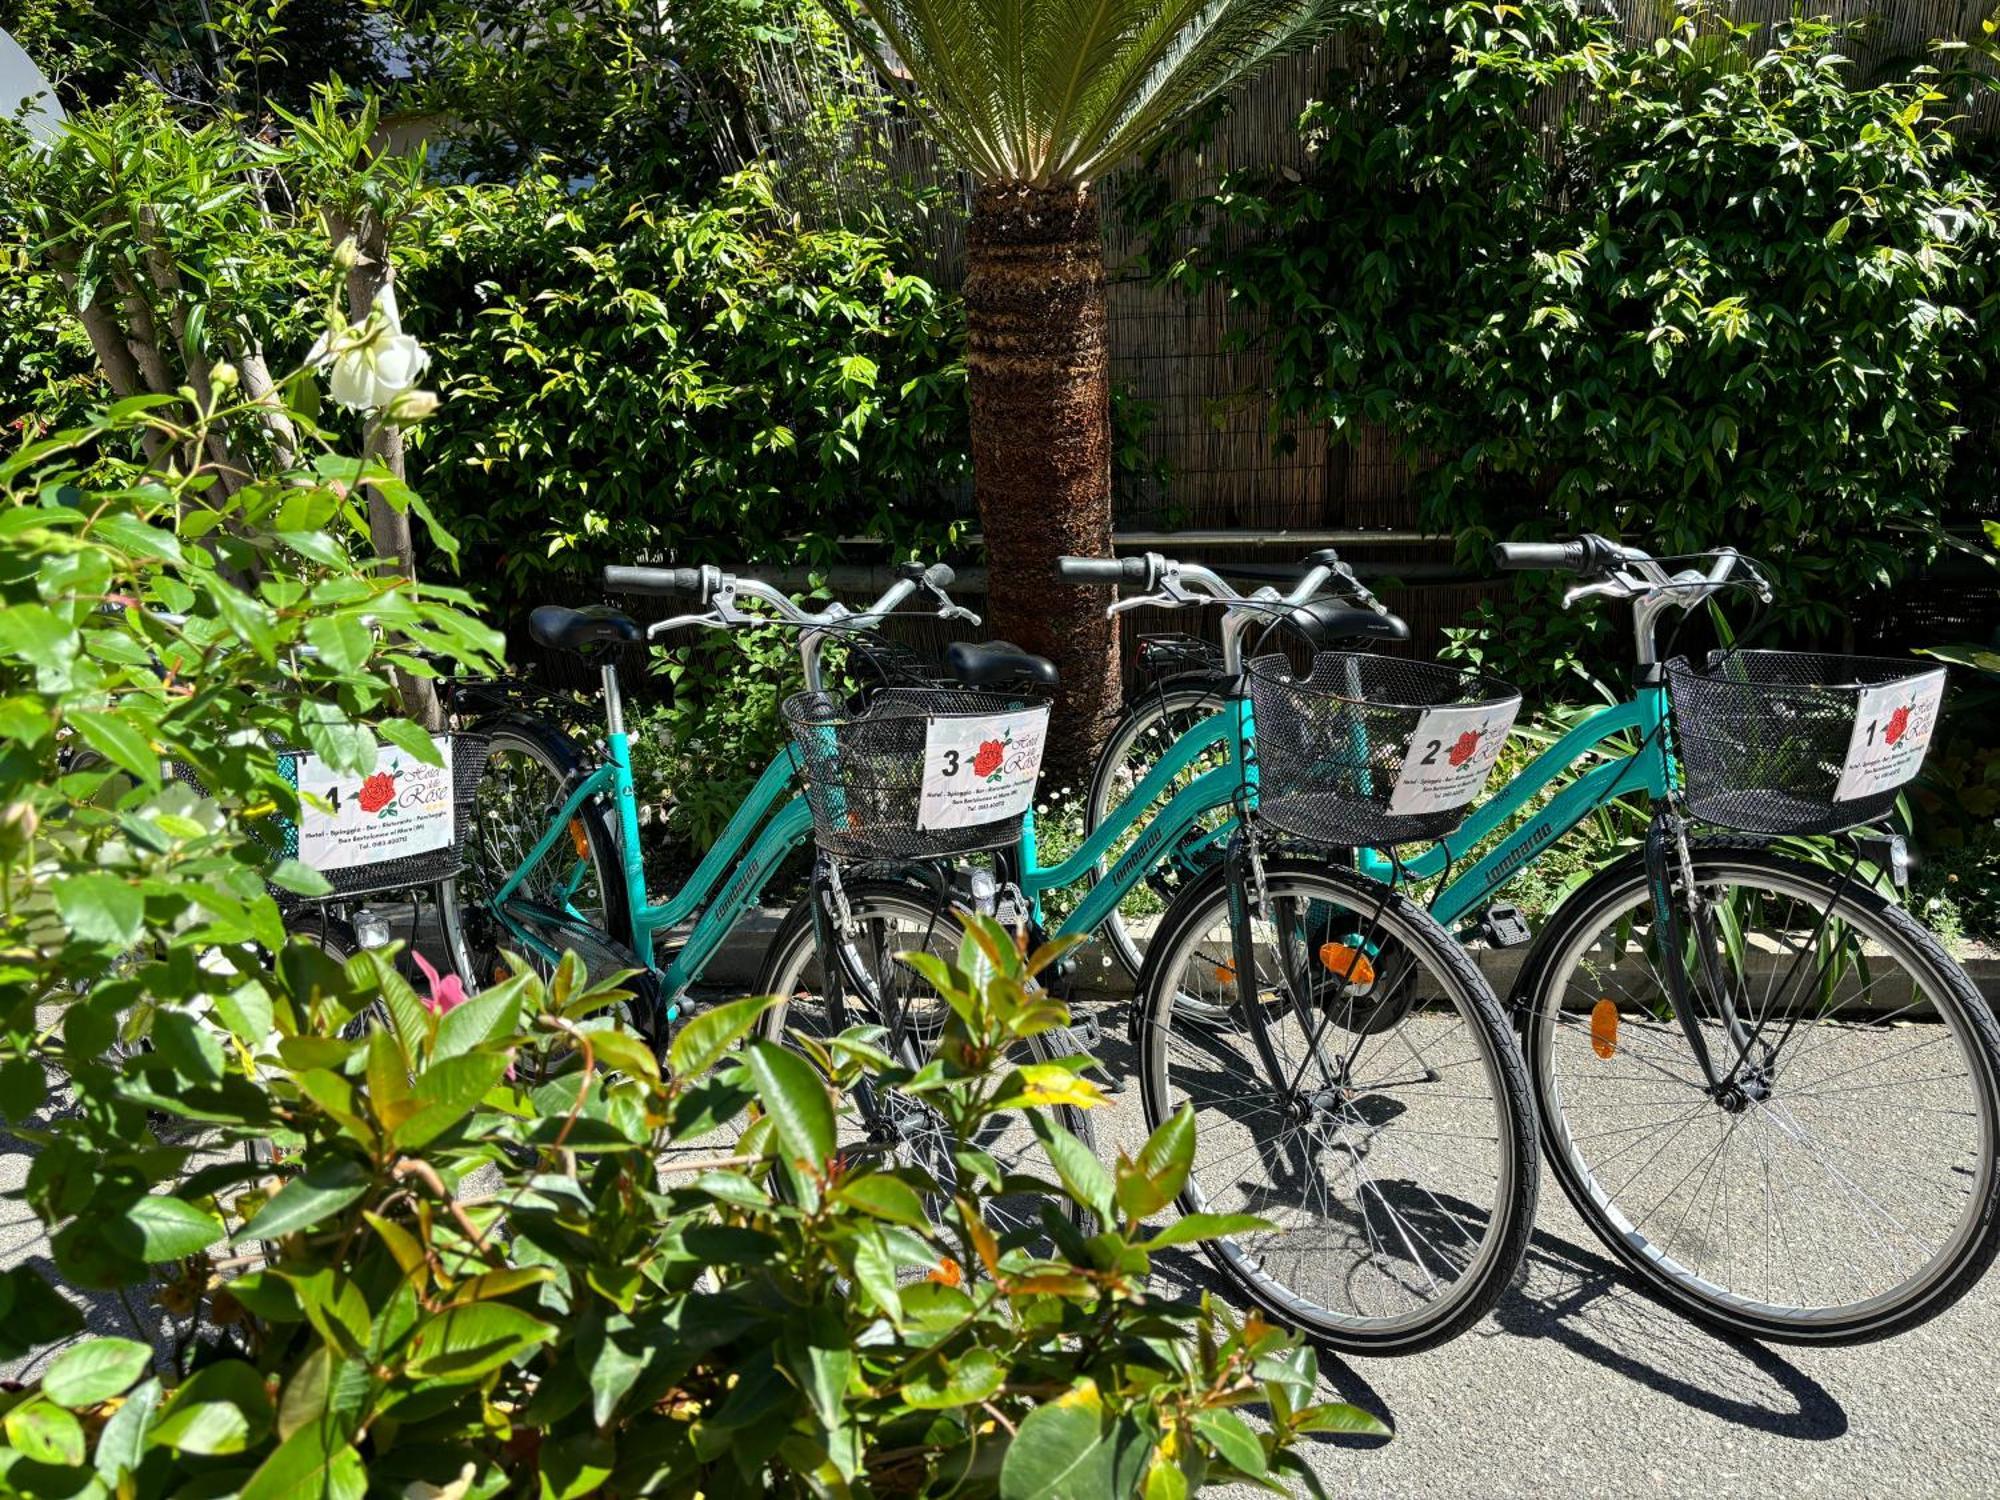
546, 746
795, 945
1538, 1008
1497, 1258
1185, 696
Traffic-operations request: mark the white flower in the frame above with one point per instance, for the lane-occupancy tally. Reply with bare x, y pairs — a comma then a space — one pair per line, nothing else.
421, 1489
373, 362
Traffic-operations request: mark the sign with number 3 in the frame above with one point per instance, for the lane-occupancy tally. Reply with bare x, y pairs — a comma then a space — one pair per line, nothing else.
981, 770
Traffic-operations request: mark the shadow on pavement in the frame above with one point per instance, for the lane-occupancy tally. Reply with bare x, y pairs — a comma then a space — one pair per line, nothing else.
1584, 1302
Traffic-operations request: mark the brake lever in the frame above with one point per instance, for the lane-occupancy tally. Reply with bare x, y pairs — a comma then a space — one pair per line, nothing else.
661, 627
1607, 588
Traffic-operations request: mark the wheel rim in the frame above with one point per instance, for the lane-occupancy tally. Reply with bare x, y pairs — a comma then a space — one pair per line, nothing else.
1394, 1189
1847, 1192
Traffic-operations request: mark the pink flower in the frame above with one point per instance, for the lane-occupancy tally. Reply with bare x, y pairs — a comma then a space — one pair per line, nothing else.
447, 991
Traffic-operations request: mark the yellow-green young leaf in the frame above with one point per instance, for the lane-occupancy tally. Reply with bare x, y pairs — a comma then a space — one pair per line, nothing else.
1338, 1416
1153, 1181
304, 1397
314, 1460
490, 1284
119, 741
1189, 1228
1233, 1439
1052, 1455
464, 1343
700, 1042
954, 1381
875, 1271
622, 1052
1076, 1164
45, 1433
796, 1101
96, 1371
222, 1408
403, 1245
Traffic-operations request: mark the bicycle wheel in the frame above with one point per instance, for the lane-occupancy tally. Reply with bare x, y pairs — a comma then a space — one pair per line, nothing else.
1387, 1135
879, 1122
1847, 1191
530, 770
1148, 730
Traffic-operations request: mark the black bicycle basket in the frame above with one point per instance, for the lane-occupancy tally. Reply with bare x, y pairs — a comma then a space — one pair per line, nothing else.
1796, 742
1355, 755
864, 769
379, 796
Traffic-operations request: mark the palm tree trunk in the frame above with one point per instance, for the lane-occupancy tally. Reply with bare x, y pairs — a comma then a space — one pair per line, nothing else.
1038, 380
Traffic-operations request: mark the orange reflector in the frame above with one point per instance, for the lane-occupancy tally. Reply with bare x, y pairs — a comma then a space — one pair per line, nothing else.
1604, 1028
1350, 963
1225, 973
579, 840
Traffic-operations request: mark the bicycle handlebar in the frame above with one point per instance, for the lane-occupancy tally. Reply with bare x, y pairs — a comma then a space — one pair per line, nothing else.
1585, 554
1105, 570
626, 580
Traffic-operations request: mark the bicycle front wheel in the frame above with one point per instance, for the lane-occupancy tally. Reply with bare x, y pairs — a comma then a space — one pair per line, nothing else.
878, 1122
1842, 1185
1363, 1095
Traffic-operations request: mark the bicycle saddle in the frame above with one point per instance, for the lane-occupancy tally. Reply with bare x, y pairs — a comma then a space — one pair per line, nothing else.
582, 630
997, 663
1327, 620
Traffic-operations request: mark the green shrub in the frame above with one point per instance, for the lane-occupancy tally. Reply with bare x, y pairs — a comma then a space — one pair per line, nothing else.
1722, 296
707, 383
283, 1150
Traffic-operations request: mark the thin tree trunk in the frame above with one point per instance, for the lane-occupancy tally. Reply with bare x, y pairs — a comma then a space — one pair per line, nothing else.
395, 543
1038, 379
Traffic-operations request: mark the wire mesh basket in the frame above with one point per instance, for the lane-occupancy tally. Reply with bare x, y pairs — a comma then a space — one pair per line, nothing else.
1373, 751
1797, 742
917, 773
365, 814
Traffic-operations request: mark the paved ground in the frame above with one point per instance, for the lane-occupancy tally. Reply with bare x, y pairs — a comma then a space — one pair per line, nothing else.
1581, 1386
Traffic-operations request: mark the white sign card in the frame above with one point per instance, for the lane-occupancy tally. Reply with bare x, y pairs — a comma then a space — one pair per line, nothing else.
1892, 730
981, 770
403, 807
1450, 755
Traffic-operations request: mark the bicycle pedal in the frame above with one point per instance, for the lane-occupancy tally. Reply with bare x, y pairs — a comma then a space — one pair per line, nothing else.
1503, 926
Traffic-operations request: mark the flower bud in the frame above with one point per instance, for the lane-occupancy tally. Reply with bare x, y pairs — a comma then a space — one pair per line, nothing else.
224, 376
412, 406
346, 255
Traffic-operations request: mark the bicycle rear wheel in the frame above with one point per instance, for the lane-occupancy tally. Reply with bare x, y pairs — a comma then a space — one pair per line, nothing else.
890, 919
529, 773
1387, 1135
1846, 1189
1149, 729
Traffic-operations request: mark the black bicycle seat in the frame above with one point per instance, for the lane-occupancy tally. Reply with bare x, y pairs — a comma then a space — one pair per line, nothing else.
996, 664
1327, 620
583, 631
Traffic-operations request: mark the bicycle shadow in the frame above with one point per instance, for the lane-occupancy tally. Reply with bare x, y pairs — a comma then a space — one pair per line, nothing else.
1589, 1306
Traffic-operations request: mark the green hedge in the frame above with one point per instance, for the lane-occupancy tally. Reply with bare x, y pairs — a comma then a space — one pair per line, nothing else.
1713, 290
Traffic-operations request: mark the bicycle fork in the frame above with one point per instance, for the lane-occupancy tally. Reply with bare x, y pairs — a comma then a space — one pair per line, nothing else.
1683, 919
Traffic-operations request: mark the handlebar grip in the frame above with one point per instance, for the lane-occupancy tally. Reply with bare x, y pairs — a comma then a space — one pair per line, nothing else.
1103, 570
653, 580
1538, 557
938, 576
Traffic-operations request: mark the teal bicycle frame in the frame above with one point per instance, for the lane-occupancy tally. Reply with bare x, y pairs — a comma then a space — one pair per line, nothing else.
1647, 770
775, 812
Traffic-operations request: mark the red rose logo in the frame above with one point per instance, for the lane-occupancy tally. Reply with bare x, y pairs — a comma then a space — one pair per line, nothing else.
377, 791
1899, 721
1468, 742
987, 761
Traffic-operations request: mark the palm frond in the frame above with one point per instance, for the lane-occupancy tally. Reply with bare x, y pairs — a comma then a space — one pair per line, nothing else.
1050, 91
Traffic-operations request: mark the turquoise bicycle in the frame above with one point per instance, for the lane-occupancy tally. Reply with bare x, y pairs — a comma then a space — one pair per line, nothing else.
553, 862
1768, 1090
